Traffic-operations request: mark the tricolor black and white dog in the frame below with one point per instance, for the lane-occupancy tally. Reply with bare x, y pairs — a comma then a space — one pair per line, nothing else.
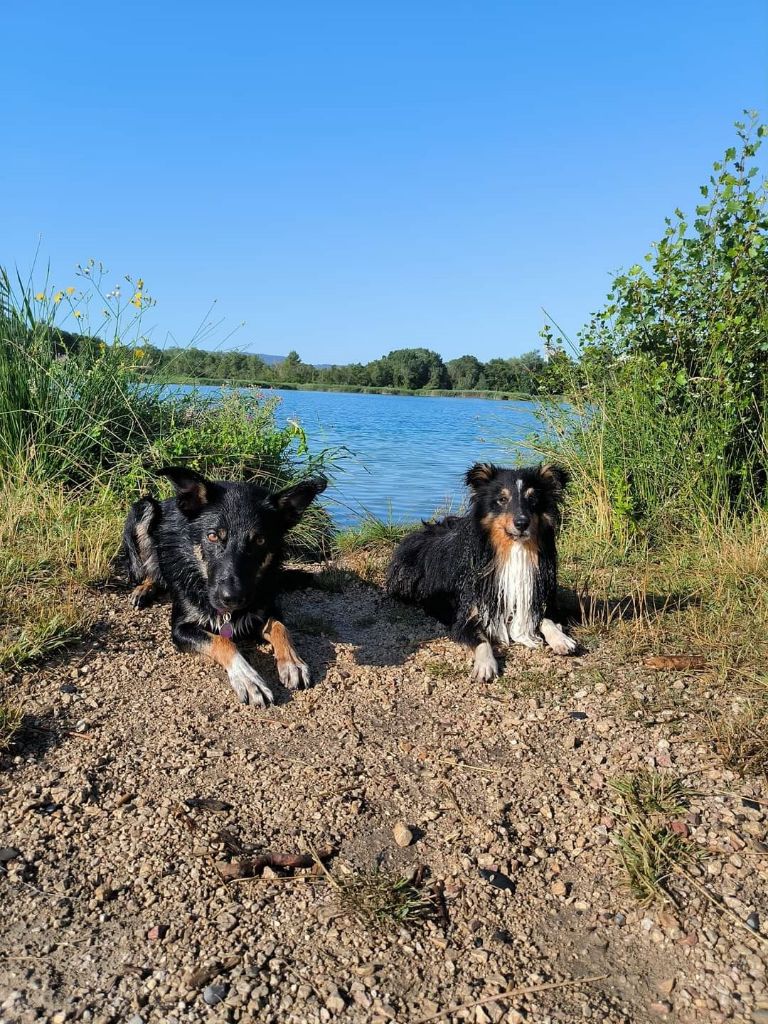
491, 574
219, 547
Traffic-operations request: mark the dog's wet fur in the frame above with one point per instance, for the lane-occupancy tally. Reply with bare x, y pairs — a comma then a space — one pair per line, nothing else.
218, 547
491, 575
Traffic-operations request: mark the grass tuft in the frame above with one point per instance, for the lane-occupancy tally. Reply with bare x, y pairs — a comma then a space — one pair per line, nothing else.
11, 715
381, 899
741, 738
648, 847
335, 580
648, 792
648, 856
371, 534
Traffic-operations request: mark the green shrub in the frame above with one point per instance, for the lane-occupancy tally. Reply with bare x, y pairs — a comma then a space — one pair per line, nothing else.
666, 412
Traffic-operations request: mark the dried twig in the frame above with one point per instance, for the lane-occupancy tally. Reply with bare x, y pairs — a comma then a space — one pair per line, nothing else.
229, 872
676, 662
511, 993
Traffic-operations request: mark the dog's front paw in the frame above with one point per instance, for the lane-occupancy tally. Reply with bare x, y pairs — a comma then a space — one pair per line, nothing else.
485, 667
248, 684
142, 595
294, 675
528, 640
559, 641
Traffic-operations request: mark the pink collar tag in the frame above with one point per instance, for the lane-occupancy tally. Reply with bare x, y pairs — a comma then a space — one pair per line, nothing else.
226, 629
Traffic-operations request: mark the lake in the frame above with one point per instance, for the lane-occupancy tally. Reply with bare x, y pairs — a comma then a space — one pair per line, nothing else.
407, 455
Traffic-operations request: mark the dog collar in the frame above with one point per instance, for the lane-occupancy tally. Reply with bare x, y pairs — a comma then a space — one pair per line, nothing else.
226, 629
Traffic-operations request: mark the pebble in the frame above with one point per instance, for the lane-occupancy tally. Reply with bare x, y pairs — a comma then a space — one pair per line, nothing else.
403, 835
214, 994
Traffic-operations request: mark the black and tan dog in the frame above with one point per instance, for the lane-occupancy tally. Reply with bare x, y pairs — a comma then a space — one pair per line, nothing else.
218, 547
491, 575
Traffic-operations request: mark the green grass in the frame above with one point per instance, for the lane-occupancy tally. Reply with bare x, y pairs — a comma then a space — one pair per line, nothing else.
334, 580
382, 899
651, 792
650, 850
79, 440
11, 715
741, 737
370, 534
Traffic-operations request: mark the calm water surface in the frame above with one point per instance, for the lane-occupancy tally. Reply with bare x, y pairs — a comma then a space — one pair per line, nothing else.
407, 455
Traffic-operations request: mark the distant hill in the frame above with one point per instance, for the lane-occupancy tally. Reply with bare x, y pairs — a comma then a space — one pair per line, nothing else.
273, 360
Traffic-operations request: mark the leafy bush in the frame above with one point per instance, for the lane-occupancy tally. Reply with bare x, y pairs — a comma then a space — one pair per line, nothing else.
667, 402
68, 406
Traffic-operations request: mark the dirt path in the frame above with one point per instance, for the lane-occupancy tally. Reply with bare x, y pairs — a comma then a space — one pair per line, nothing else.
109, 900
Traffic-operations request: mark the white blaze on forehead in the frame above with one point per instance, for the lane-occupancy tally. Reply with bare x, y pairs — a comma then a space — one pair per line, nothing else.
519, 485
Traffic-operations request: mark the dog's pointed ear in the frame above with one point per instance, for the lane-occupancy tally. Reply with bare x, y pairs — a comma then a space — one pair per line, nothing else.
480, 474
292, 502
193, 491
555, 478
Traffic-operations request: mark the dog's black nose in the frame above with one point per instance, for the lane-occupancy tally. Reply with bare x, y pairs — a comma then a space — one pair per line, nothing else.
230, 595
521, 523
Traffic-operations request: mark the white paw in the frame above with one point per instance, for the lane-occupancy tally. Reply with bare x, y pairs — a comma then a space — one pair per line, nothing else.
248, 684
556, 638
527, 640
486, 667
294, 674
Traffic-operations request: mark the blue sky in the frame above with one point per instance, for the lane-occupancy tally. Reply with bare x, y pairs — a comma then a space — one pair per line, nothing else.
348, 178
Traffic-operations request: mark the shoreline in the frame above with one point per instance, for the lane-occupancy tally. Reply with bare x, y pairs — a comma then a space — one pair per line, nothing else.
350, 389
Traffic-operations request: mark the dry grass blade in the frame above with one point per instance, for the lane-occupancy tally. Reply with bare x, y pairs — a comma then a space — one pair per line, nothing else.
648, 846
11, 715
523, 990
652, 792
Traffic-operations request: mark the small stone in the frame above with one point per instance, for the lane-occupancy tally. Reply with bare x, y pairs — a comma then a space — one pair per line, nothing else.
8, 853
753, 921
403, 835
157, 931
559, 889
665, 986
497, 880
334, 1001
577, 716
661, 1008
214, 994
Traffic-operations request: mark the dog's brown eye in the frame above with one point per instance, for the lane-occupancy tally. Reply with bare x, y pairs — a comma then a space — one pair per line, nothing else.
213, 537
501, 501
258, 541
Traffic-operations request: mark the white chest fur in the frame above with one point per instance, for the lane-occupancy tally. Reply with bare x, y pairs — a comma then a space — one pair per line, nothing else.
516, 582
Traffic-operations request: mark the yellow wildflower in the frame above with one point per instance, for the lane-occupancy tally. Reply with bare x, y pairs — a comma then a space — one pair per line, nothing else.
70, 290
78, 314
40, 296
140, 283
136, 300
139, 353
58, 297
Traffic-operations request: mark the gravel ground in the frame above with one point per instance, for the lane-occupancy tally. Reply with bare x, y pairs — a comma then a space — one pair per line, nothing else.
111, 908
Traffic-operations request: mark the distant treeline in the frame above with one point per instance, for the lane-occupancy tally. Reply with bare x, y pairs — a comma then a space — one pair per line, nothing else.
404, 370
